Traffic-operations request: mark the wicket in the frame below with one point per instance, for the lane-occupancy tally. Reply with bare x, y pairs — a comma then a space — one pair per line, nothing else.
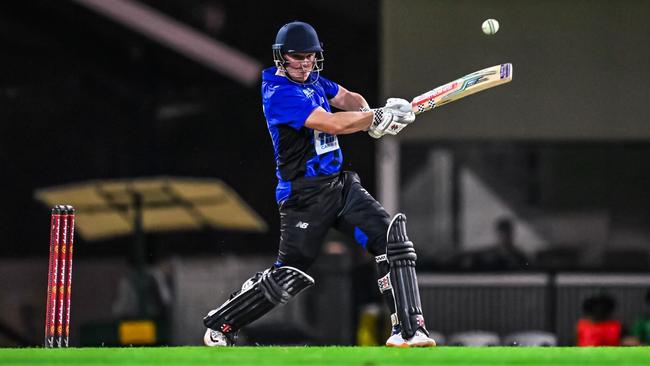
59, 277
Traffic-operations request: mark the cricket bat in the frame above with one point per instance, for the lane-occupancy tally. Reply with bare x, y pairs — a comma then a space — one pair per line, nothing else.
460, 88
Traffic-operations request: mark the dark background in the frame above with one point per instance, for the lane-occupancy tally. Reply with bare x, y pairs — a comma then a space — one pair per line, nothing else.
564, 147
82, 97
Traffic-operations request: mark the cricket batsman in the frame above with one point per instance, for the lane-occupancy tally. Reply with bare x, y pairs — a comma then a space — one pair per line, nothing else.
314, 194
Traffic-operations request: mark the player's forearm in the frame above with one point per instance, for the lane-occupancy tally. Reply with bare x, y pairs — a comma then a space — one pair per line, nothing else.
343, 123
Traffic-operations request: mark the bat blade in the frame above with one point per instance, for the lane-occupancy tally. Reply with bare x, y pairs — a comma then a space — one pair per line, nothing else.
460, 88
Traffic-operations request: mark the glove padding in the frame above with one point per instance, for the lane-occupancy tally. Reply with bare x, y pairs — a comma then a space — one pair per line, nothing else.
392, 118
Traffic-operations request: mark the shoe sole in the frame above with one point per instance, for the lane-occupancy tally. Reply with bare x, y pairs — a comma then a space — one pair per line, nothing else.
423, 344
402, 345
406, 345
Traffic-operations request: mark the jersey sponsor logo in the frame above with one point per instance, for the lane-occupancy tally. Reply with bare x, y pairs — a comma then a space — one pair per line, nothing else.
324, 142
302, 225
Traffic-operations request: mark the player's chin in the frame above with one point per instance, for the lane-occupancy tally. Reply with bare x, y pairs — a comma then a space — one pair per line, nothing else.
301, 76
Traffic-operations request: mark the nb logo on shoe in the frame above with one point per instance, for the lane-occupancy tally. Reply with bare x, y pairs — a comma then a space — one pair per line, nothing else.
302, 225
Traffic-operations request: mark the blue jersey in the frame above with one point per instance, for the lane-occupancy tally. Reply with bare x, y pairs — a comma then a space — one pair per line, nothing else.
299, 151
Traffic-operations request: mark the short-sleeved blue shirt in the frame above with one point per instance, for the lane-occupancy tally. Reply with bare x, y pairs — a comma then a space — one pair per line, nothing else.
299, 151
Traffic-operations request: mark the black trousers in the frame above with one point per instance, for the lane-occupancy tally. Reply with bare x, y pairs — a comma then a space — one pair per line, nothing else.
317, 204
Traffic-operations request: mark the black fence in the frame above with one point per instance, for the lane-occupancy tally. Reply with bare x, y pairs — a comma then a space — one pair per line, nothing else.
507, 303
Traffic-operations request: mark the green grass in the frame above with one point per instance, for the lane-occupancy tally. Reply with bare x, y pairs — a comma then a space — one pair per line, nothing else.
337, 356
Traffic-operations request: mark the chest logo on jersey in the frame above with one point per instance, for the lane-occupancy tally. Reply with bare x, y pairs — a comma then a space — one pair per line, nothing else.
324, 142
311, 94
308, 92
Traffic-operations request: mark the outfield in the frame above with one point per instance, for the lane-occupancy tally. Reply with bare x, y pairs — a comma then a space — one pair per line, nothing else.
338, 356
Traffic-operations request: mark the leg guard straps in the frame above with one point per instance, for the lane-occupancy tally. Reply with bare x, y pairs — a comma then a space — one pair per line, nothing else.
274, 287
383, 268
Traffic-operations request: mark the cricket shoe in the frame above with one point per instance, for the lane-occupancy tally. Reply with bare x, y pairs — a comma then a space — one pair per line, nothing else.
214, 338
419, 339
